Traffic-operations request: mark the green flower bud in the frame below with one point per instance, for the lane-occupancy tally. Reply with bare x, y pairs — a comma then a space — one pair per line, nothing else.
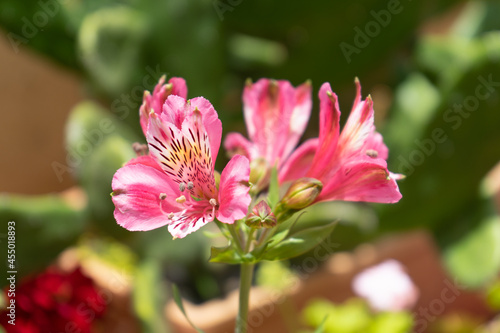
261, 216
302, 193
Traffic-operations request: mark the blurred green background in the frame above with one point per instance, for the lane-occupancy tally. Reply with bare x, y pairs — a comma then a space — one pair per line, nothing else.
432, 68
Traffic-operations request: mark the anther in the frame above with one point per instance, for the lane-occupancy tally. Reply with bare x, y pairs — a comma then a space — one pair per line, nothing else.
139, 149
273, 88
372, 153
163, 196
182, 186
170, 216
181, 199
190, 186
213, 202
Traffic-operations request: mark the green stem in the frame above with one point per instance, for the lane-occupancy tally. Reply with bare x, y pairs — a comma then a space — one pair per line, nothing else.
249, 240
236, 237
245, 284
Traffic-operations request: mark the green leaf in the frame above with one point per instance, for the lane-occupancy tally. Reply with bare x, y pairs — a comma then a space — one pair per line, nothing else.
475, 259
274, 193
289, 225
299, 242
321, 327
257, 252
229, 255
278, 237
148, 297
178, 301
282, 232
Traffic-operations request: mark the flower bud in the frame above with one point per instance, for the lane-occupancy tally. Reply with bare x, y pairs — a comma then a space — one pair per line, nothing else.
258, 170
261, 216
302, 193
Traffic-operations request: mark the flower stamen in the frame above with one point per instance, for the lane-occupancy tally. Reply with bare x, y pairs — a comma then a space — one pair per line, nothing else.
372, 153
181, 199
140, 149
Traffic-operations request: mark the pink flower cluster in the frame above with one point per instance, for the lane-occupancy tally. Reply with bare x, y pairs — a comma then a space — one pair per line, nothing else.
175, 184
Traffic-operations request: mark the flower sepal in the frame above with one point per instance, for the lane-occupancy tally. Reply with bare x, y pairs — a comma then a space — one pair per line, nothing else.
261, 216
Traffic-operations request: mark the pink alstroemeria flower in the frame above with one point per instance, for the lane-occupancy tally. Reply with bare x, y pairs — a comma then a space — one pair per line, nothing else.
154, 102
175, 185
276, 115
351, 165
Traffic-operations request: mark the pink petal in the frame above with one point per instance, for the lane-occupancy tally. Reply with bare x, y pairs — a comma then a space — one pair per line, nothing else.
184, 154
234, 199
183, 230
179, 86
357, 99
299, 162
195, 215
211, 122
328, 132
375, 143
276, 115
144, 111
359, 129
254, 95
154, 102
146, 160
237, 144
359, 136
363, 179
299, 118
136, 195
175, 110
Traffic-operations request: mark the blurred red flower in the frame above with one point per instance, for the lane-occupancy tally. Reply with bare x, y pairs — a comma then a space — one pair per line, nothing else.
55, 302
